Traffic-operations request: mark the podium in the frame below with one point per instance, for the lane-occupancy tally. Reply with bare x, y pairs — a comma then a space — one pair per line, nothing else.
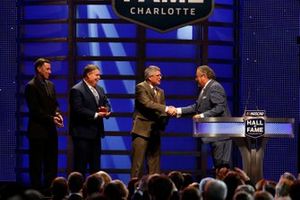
251, 149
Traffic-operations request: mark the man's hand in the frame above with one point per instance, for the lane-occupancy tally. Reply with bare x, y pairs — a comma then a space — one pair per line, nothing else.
197, 116
103, 112
171, 111
242, 174
58, 120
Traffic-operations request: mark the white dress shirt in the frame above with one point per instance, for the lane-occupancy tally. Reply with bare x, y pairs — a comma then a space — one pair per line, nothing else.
179, 110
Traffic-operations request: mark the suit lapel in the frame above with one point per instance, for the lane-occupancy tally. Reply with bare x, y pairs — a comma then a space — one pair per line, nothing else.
204, 92
40, 87
149, 89
87, 89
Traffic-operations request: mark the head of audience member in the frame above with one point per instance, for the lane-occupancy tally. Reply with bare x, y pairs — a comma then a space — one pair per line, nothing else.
141, 191
11, 191
245, 188
187, 179
93, 184
289, 176
42, 67
190, 193
153, 75
282, 188
270, 186
115, 190
262, 195
203, 74
131, 186
105, 177
59, 188
242, 195
195, 185
215, 190
295, 190
75, 182
203, 183
96, 196
160, 187
260, 184
232, 181
91, 74
177, 179
33, 195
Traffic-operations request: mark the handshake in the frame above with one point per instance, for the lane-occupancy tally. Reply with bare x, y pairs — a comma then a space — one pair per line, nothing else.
171, 111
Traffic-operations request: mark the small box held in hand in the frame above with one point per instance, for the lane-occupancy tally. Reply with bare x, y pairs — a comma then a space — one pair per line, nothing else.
103, 109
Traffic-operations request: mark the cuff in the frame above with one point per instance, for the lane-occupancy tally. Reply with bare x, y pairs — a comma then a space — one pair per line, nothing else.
179, 112
166, 109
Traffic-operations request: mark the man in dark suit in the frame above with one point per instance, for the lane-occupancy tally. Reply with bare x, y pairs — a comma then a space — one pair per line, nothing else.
88, 107
44, 117
211, 102
75, 185
149, 120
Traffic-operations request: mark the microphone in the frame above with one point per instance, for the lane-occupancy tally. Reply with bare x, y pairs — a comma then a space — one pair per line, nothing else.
247, 101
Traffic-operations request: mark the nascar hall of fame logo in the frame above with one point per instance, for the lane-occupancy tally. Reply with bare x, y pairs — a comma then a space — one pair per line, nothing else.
163, 15
254, 123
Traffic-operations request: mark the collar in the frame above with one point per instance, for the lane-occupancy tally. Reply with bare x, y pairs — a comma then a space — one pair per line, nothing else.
40, 79
151, 86
206, 84
77, 193
90, 87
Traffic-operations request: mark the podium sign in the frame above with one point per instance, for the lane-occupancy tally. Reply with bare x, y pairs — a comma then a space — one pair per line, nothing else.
255, 123
250, 133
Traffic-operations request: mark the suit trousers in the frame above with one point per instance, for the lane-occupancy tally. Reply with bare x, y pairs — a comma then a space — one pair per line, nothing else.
145, 149
221, 153
86, 152
42, 162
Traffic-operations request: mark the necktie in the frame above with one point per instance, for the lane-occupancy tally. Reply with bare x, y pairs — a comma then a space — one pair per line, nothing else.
96, 95
156, 96
155, 91
44, 83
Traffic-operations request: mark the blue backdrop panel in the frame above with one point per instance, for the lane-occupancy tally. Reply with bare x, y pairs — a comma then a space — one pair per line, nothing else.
46, 12
107, 30
221, 33
185, 33
170, 50
106, 49
8, 70
45, 30
170, 68
110, 67
270, 72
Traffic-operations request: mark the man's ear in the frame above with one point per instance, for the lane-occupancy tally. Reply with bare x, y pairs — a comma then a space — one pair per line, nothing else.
38, 69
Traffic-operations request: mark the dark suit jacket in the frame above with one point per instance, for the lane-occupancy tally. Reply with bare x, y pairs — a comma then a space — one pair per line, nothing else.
83, 107
42, 108
212, 102
149, 114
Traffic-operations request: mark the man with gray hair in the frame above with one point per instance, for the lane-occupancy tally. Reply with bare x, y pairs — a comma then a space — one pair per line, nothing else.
211, 102
149, 121
215, 190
